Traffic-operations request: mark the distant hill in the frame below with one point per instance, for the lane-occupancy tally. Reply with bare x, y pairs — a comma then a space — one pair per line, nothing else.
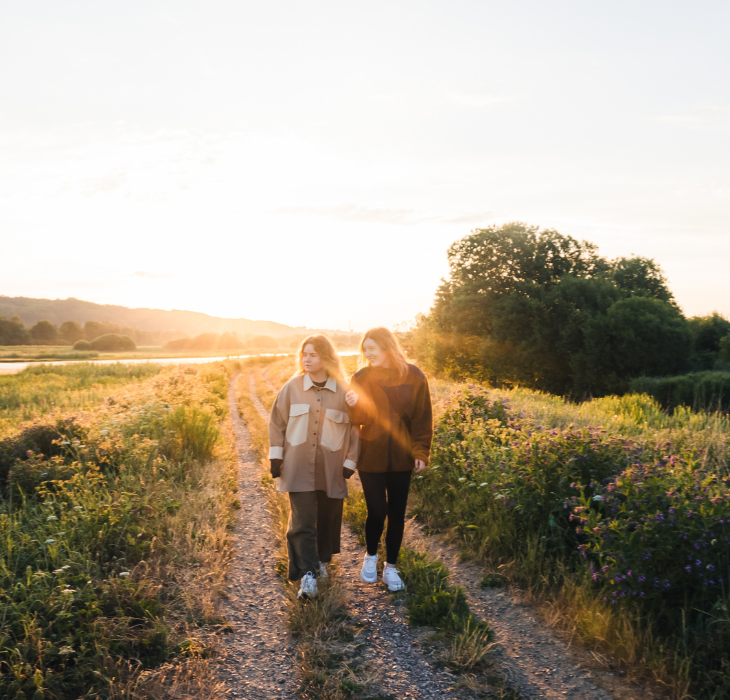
30, 311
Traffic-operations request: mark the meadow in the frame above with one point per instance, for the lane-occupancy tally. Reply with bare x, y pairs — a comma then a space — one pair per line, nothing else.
42, 389
612, 515
114, 531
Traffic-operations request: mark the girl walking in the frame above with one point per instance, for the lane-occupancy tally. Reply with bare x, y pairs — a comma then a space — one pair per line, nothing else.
390, 401
314, 449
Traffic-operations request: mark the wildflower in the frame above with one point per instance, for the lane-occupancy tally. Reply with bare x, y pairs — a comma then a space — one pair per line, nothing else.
49, 541
124, 573
68, 590
462, 478
78, 507
51, 517
710, 567
597, 498
484, 483
66, 650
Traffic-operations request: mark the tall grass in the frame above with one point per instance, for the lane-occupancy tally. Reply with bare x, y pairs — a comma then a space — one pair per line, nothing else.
44, 388
114, 542
624, 539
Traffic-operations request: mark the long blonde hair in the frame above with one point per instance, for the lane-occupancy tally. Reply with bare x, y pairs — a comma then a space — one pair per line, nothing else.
389, 344
326, 350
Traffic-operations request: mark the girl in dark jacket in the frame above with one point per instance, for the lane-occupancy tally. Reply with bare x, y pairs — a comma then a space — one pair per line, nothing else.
391, 403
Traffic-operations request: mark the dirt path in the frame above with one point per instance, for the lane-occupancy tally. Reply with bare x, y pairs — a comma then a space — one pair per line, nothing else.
392, 650
532, 660
257, 659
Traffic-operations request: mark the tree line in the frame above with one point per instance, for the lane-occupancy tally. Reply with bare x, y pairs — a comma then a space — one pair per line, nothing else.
14, 332
530, 307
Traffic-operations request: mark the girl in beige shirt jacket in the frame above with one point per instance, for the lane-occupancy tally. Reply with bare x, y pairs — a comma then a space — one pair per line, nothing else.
314, 448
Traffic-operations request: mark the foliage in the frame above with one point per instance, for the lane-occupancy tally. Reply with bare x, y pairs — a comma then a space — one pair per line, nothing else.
13, 332
539, 309
70, 331
44, 333
699, 390
112, 341
612, 520
708, 334
82, 345
94, 504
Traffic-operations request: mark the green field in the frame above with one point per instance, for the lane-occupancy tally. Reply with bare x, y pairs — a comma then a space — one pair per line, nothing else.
613, 515
113, 530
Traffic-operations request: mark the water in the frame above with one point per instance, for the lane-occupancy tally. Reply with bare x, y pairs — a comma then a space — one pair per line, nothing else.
15, 367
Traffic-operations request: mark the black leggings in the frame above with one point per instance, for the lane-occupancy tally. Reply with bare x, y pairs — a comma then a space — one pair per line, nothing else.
386, 494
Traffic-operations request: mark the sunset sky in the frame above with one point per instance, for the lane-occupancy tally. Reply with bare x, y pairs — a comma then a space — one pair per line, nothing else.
310, 163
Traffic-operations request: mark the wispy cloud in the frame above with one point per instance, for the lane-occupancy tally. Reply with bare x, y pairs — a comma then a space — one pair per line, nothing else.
371, 215
151, 275
703, 118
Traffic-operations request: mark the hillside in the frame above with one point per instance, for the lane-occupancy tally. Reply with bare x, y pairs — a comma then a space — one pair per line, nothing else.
191, 323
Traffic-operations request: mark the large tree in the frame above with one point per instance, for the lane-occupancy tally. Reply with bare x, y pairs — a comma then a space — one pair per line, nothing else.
537, 308
44, 333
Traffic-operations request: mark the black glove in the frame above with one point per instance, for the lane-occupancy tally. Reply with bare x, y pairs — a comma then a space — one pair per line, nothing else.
347, 473
276, 467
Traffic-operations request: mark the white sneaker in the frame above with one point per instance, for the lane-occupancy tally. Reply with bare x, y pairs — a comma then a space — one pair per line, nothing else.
323, 570
308, 589
369, 571
392, 579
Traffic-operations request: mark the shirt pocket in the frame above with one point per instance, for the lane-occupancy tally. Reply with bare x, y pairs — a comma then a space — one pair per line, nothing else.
296, 428
334, 429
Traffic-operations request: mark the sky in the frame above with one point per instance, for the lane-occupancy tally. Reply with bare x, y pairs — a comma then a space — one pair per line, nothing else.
310, 163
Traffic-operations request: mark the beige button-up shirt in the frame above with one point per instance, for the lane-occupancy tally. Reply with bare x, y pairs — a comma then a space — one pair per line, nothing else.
305, 417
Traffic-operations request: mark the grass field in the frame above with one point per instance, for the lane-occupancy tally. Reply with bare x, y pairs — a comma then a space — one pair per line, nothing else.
40, 390
38, 353
114, 535
613, 515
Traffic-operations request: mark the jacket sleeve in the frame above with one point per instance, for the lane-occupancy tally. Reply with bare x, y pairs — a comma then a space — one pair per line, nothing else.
353, 451
362, 413
422, 423
278, 421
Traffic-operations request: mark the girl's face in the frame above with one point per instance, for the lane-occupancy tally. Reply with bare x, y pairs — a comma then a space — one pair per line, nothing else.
311, 361
374, 354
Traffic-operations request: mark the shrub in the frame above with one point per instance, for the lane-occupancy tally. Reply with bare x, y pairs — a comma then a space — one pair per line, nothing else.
641, 527
112, 342
699, 390
82, 345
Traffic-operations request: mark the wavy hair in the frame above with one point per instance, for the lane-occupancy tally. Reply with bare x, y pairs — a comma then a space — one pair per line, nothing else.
326, 350
389, 344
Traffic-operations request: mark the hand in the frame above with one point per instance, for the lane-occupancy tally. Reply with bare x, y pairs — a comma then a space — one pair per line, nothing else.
351, 398
347, 473
420, 465
276, 467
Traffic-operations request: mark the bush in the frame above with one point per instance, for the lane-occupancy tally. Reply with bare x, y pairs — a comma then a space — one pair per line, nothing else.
82, 345
699, 390
638, 527
112, 342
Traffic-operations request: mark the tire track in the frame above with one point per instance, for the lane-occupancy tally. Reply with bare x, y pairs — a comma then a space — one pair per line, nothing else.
257, 658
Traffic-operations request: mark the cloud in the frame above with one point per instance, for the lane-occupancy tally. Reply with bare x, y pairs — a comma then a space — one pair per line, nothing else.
369, 215
104, 184
703, 118
151, 275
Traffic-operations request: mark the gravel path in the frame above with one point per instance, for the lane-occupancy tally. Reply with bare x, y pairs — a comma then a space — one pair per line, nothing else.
257, 659
534, 661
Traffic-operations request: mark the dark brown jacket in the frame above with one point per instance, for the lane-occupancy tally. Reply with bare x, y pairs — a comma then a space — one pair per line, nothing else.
395, 419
